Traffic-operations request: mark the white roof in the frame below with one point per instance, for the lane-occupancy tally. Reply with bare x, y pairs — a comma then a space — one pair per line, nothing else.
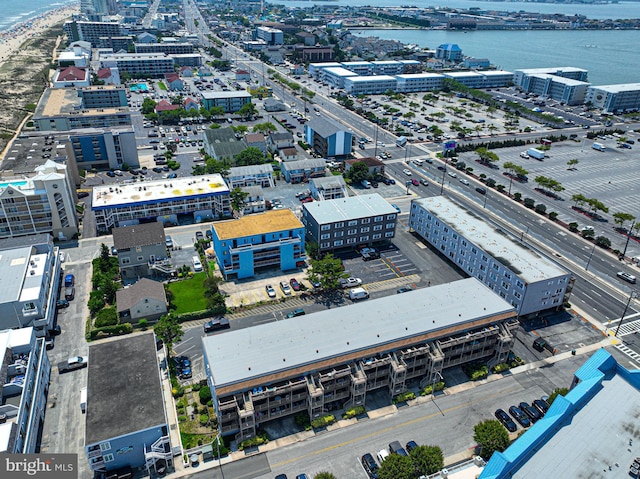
549, 70
109, 196
283, 345
353, 207
370, 78
339, 71
411, 76
526, 263
489, 73
618, 88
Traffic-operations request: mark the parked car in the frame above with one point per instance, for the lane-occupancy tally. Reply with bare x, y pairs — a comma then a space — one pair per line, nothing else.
270, 291
396, 448
506, 421
415, 182
541, 405
69, 293
532, 413
183, 367
369, 254
216, 325
410, 446
199, 235
295, 313
284, 286
370, 466
407, 171
168, 241
294, 284
350, 282
62, 303
405, 289
519, 416
69, 280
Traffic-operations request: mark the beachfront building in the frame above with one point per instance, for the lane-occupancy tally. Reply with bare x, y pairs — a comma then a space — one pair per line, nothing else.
153, 65
169, 48
126, 423
103, 149
419, 82
349, 222
271, 36
521, 76
43, 202
359, 68
231, 101
335, 76
69, 77
385, 346
563, 89
78, 54
369, 85
251, 175
91, 31
388, 67
187, 60
103, 96
30, 275
329, 138
614, 98
484, 79
550, 447
525, 278
25, 371
264, 240
200, 197
60, 109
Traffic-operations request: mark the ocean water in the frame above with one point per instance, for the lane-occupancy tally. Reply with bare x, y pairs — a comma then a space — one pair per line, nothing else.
609, 56
628, 9
15, 11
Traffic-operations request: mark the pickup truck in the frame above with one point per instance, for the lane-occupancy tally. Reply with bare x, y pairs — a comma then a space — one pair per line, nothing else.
71, 364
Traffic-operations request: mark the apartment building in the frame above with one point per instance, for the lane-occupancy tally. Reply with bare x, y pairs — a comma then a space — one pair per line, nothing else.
153, 65
299, 171
370, 85
103, 96
41, 203
199, 197
565, 90
271, 36
252, 175
520, 76
24, 374
169, 48
30, 274
494, 79
349, 222
336, 76
329, 138
91, 31
328, 188
614, 98
231, 101
419, 82
61, 109
104, 148
526, 279
264, 240
384, 345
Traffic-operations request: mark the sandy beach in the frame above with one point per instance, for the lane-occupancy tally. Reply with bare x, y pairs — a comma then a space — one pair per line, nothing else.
10, 40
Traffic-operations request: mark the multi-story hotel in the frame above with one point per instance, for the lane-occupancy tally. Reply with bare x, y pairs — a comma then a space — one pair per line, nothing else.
136, 64
325, 361
529, 281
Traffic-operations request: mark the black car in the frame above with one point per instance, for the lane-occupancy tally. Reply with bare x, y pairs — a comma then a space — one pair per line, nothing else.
410, 446
506, 421
519, 416
83, 194
62, 303
532, 413
370, 466
216, 324
199, 236
541, 405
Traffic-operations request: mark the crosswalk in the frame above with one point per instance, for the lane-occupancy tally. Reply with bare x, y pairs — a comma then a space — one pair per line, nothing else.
628, 351
630, 327
277, 307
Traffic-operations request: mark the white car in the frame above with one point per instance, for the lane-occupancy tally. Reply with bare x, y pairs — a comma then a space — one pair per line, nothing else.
464, 181
286, 289
350, 282
524, 154
270, 291
407, 172
452, 174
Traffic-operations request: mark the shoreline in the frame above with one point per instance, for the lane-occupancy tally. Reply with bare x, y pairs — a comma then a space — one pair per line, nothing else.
12, 39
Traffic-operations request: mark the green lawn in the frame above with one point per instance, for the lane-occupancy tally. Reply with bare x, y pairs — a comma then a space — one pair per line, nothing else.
162, 86
188, 294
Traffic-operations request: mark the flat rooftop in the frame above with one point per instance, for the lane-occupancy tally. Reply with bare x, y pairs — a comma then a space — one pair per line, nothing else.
619, 88
110, 196
562, 80
124, 394
370, 78
65, 101
16, 284
526, 263
339, 71
215, 95
549, 70
415, 76
267, 349
354, 207
257, 224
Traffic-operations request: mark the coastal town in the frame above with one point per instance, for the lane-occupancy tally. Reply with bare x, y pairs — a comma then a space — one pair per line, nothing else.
252, 241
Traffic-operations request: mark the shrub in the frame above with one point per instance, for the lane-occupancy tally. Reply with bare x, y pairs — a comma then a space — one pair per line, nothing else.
182, 418
573, 227
517, 196
196, 387
603, 242
106, 317
476, 371
205, 395
302, 420
553, 216
529, 202
557, 392
427, 390
204, 419
353, 412
96, 302
404, 397
260, 439
540, 208
323, 421
116, 330
143, 323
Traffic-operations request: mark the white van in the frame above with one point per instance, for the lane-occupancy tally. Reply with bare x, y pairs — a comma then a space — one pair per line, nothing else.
418, 162
197, 265
83, 400
382, 455
358, 293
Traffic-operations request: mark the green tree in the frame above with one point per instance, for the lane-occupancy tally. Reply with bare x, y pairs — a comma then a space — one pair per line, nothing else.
327, 271
396, 466
621, 218
312, 249
237, 199
169, 330
324, 475
603, 242
486, 156
265, 128
491, 436
240, 129
596, 205
427, 459
148, 106
557, 392
359, 171
250, 156
572, 163
216, 111
248, 110
579, 199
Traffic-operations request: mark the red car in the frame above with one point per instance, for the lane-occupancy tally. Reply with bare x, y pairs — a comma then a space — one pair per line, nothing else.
308, 199
294, 284
414, 182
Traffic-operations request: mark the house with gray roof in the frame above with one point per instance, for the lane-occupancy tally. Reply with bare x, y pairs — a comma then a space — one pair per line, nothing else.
139, 247
255, 202
144, 299
329, 138
280, 139
222, 143
349, 222
328, 188
241, 176
302, 170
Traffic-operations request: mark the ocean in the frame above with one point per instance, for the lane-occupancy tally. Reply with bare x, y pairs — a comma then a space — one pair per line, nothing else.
15, 12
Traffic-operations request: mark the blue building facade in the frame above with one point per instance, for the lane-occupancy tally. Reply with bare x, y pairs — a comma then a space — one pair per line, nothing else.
265, 240
328, 138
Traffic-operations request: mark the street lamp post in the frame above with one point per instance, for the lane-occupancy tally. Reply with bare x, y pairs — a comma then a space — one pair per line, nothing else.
586, 268
633, 295
626, 245
444, 172
433, 390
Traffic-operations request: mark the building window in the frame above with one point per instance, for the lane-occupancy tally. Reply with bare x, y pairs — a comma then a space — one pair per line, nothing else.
126, 261
520, 284
474, 251
364, 229
446, 230
140, 258
352, 223
322, 228
351, 240
377, 219
325, 236
507, 275
517, 295
505, 286
366, 221
338, 234
390, 226
389, 234
352, 232
107, 457
377, 227
324, 245
339, 225
391, 217
376, 236
495, 266
105, 446
338, 243
364, 239
484, 258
